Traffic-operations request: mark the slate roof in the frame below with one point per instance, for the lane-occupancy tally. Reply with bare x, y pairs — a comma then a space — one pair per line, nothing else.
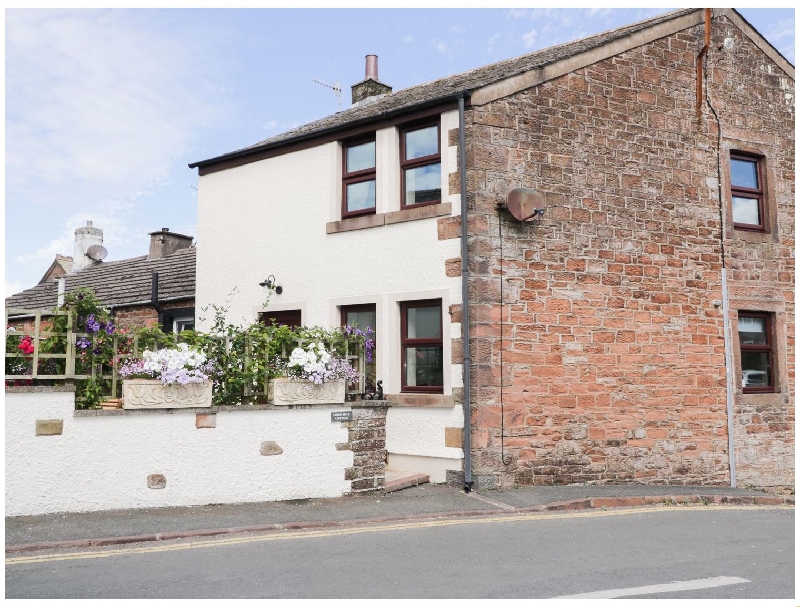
120, 283
406, 99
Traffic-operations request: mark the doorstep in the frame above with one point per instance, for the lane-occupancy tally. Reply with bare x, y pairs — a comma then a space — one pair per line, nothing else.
401, 479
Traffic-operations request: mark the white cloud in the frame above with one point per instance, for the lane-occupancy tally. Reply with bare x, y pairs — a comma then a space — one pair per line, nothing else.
102, 108
529, 39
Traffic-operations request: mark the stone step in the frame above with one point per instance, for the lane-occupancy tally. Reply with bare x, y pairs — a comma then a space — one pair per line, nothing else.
402, 480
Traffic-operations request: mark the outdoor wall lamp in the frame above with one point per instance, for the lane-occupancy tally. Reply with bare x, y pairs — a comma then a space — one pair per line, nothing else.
270, 283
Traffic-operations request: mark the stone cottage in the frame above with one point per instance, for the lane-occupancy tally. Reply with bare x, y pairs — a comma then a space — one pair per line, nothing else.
627, 296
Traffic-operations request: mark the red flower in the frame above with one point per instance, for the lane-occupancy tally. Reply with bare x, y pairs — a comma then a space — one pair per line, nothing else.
26, 345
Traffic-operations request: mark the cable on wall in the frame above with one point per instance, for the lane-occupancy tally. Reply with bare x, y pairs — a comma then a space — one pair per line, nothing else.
506, 460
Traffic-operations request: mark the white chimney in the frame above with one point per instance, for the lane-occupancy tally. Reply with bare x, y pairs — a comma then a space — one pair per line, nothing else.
84, 238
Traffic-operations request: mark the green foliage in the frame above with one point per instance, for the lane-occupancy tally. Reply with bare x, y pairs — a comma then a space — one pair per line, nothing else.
245, 357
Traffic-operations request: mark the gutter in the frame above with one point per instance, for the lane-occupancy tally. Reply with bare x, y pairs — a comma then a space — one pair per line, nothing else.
462, 154
144, 302
405, 109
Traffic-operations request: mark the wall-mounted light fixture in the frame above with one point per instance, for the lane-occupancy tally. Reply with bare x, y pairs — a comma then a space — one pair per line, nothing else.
271, 284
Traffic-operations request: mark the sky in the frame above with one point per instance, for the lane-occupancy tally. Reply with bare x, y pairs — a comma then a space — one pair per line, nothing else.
105, 108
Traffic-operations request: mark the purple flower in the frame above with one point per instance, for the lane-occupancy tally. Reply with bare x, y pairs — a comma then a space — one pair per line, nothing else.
110, 328
92, 325
82, 343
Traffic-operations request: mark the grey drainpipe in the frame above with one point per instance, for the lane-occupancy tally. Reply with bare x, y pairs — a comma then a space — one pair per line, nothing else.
154, 299
462, 152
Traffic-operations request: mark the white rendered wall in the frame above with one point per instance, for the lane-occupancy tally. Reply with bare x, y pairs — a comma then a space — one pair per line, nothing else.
269, 218
415, 440
102, 463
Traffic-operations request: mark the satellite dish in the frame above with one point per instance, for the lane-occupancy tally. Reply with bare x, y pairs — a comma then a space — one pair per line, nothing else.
96, 252
524, 204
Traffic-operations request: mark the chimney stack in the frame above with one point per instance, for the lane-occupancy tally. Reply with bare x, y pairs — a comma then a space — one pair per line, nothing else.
165, 243
370, 89
84, 238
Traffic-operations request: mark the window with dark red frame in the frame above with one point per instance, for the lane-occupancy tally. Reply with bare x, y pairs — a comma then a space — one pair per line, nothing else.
358, 177
420, 165
288, 318
756, 351
363, 317
747, 191
422, 352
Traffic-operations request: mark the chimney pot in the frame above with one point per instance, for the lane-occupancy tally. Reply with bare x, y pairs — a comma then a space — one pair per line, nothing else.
371, 67
165, 229
370, 89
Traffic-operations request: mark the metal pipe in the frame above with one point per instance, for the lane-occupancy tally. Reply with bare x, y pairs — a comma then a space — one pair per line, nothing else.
462, 154
701, 56
728, 375
154, 290
726, 323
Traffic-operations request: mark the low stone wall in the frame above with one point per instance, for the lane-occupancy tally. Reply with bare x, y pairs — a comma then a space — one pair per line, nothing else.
62, 460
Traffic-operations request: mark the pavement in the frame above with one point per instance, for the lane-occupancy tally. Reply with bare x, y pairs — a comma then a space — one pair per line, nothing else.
86, 529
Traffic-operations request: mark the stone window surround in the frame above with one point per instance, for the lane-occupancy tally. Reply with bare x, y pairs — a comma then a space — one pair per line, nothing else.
769, 201
387, 311
778, 328
388, 209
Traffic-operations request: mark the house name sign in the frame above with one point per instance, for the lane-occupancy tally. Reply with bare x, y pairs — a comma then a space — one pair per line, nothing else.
342, 416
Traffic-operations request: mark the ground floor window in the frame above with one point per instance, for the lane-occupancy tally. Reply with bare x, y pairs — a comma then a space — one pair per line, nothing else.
422, 352
288, 318
756, 351
363, 317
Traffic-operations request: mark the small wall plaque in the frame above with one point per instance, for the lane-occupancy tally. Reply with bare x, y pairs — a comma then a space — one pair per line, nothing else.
342, 416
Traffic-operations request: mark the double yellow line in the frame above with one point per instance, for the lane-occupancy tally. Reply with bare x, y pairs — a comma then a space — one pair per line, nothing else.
272, 536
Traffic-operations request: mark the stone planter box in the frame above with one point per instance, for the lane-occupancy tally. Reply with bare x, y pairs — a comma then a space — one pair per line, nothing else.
152, 394
284, 391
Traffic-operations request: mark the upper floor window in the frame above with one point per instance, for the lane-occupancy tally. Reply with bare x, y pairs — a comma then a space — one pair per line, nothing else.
421, 346
358, 178
747, 192
420, 165
756, 353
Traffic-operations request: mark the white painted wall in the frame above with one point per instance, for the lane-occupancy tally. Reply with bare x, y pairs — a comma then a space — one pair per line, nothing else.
415, 440
269, 217
102, 463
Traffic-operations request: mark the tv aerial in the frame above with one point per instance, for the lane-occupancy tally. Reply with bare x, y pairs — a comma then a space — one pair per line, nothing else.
337, 89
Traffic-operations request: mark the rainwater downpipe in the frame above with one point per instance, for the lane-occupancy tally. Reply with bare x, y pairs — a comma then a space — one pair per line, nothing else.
154, 299
702, 78
462, 154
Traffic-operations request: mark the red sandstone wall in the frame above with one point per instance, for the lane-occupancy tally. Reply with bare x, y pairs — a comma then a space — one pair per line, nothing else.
613, 350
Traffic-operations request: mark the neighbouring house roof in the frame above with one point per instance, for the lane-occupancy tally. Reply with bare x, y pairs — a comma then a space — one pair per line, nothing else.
120, 283
61, 265
444, 89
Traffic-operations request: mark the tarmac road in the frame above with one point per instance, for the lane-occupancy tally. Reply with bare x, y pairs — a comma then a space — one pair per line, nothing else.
712, 551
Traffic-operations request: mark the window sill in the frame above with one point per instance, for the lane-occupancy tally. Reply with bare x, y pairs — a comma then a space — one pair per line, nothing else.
430, 401
381, 219
752, 235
